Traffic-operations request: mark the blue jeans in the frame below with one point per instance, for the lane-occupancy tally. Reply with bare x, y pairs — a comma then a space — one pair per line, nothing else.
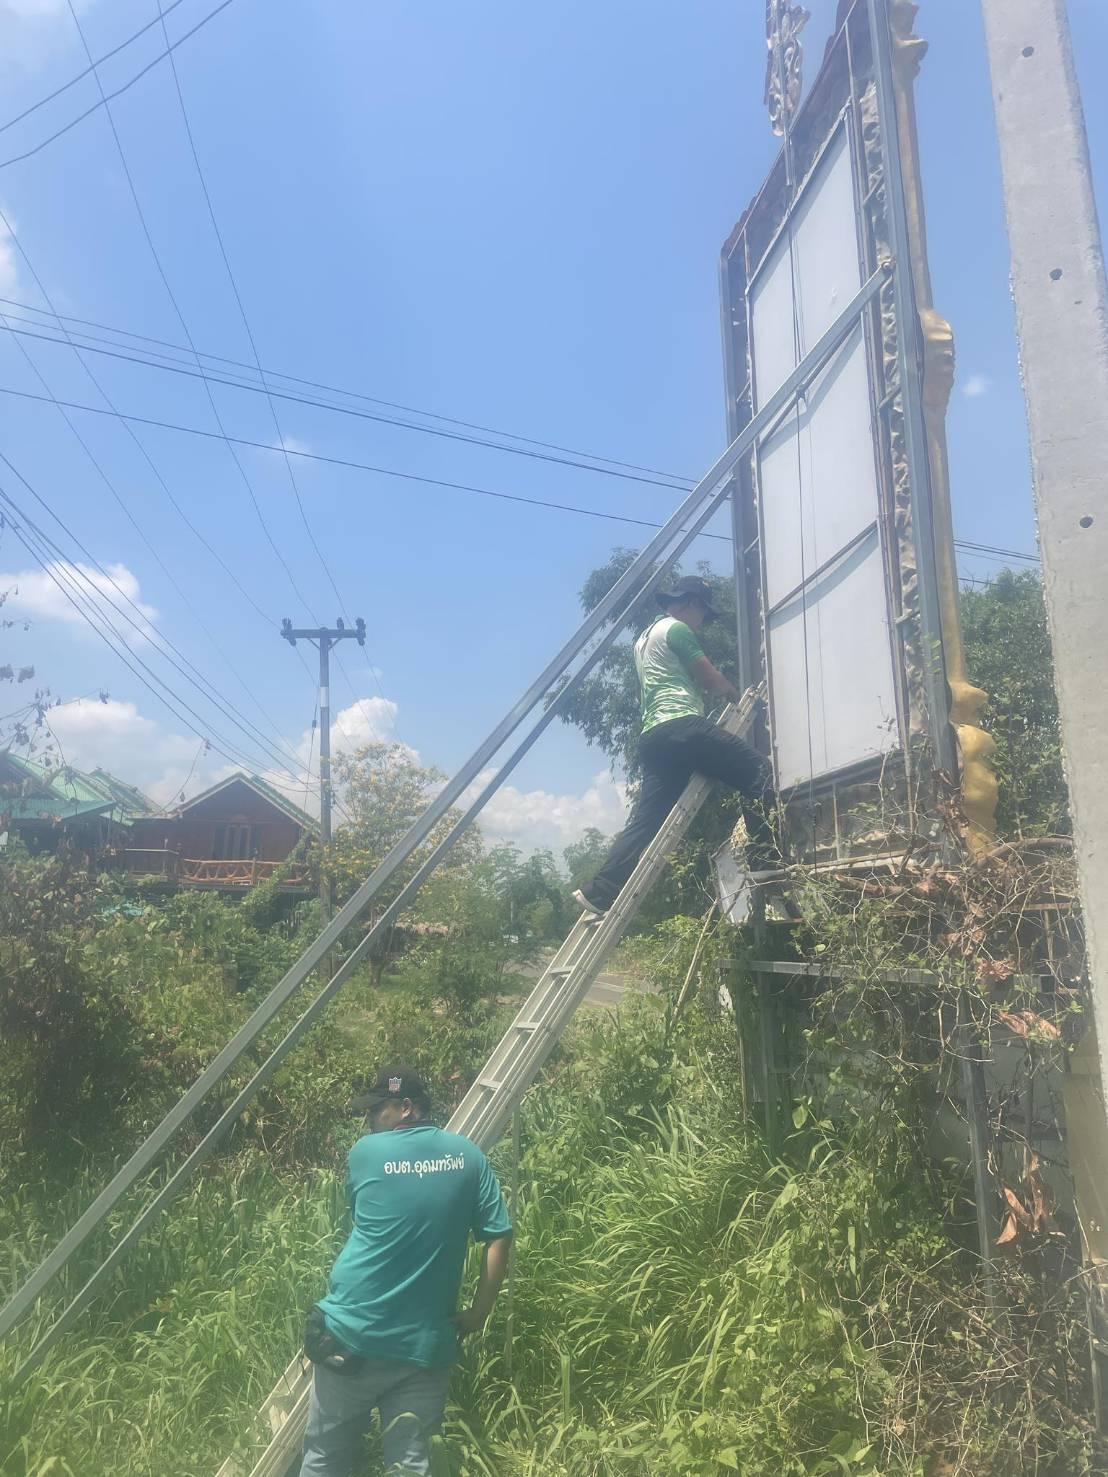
409, 1399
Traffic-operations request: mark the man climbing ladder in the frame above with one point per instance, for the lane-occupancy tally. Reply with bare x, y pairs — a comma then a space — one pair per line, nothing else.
678, 741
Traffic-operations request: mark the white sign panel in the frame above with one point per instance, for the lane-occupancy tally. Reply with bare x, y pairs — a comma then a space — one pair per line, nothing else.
832, 682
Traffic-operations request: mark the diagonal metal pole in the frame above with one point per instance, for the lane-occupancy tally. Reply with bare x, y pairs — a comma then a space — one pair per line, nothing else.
628, 587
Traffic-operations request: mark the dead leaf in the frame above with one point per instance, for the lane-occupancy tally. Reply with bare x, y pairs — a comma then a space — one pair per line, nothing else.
1023, 1022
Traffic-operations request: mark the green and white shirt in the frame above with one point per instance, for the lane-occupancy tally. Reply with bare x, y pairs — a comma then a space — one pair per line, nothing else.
663, 655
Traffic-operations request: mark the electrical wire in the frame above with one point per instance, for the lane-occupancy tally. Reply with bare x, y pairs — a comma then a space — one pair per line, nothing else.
349, 463
50, 96
232, 280
990, 551
154, 552
242, 310
176, 305
106, 98
101, 598
237, 384
676, 484
180, 315
56, 571
269, 620
673, 477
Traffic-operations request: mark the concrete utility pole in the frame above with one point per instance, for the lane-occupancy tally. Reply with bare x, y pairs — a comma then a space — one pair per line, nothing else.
325, 638
1062, 320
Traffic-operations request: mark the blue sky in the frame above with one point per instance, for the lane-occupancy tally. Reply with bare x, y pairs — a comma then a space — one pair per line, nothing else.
507, 214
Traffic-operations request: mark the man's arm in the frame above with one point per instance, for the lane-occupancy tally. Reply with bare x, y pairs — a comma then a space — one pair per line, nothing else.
711, 680
494, 1267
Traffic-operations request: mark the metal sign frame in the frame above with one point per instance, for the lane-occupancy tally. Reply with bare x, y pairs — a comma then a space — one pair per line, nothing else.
872, 805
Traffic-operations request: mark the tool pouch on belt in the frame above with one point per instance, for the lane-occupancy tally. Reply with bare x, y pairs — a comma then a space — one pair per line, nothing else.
323, 1348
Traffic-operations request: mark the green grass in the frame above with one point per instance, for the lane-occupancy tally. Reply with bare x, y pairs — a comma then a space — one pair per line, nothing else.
157, 1377
682, 1305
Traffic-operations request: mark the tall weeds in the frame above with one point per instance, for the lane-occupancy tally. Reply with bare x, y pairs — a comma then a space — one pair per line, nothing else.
682, 1306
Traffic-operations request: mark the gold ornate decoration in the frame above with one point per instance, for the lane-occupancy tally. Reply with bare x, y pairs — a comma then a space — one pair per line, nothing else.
785, 63
979, 787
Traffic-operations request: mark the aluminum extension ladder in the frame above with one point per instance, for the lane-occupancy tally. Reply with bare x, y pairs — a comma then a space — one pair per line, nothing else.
486, 1108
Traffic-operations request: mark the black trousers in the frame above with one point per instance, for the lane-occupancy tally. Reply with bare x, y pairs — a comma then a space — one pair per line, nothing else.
671, 753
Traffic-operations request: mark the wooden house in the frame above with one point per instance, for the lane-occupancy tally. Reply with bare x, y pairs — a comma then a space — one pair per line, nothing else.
230, 836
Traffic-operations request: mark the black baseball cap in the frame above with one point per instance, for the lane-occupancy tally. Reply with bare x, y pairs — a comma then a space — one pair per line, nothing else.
690, 587
398, 1081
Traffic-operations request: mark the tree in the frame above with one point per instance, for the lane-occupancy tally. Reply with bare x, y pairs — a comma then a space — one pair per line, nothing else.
384, 790
69, 1044
583, 857
1008, 654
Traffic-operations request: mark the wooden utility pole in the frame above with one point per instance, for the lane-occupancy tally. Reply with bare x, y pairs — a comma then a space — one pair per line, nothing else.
324, 639
1061, 300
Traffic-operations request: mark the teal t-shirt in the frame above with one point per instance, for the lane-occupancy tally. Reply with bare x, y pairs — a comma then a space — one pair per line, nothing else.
663, 655
415, 1195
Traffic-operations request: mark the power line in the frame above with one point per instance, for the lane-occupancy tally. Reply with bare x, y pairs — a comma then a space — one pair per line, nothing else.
983, 550
451, 420
242, 309
40, 549
991, 551
269, 621
387, 420
50, 96
167, 650
106, 98
56, 571
257, 360
336, 461
348, 410
157, 557
187, 332
176, 305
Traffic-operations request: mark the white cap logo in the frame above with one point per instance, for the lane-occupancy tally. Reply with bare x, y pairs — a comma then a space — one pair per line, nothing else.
395, 1084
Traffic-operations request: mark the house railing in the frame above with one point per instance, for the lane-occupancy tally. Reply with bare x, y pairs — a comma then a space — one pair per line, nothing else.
190, 871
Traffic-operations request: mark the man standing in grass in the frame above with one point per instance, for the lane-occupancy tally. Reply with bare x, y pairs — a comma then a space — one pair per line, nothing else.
678, 741
386, 1334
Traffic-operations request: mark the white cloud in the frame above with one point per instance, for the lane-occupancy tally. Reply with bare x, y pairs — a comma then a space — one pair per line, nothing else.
40, 595
9, 266
33, 30
537, 818
369, 720
296, 446
114, 735
976, 386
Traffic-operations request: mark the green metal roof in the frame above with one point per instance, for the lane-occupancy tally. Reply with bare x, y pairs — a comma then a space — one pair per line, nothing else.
131, 801
30, 791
